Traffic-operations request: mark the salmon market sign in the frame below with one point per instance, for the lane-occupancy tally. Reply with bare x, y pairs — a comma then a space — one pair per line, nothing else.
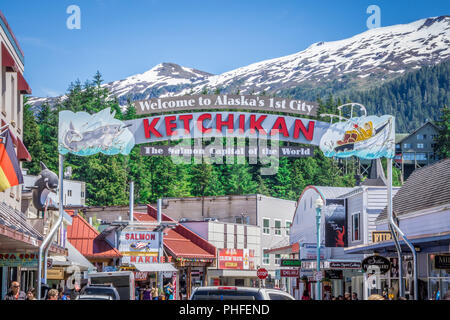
368, 137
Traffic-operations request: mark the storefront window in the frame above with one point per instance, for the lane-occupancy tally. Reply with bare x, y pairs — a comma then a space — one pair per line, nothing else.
439, 278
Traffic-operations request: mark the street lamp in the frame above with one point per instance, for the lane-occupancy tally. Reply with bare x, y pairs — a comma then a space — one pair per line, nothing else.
318, 205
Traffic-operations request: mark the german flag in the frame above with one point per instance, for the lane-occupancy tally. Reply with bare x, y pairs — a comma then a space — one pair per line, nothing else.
10, 172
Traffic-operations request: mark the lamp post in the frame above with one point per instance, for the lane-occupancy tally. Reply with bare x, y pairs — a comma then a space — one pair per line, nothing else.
319, 205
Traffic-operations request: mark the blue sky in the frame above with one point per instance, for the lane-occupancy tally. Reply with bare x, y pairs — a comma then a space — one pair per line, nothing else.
124, 37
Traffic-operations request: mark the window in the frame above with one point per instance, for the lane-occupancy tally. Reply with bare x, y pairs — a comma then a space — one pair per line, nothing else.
408, 156
278, 296
278, 259
356, 227
266, 226
288, 226
407, 145
420, 146
82, 194
278, 227
421, 156
69, 193
421, 137
266, 258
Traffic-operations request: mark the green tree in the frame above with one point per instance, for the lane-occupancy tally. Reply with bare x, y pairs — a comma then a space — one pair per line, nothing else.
443, 139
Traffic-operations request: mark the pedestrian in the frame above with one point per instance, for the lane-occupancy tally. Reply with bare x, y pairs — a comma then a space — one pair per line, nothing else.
333, 298
154, 292
61, 295
306, 295
354, 296
75, 292
31, 294
347, 296
447, 295
340, 297
53, 294
147, 293
15, 293
168, 290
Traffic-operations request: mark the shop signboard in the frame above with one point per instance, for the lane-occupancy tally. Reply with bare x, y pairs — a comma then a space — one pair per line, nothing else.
308, 251
55, 274
376, 263
140, 276
129, 260
344, 265
133, 242
380, 236
238, 259
442, 262
334, 274
14, 259
335, 223
291, 263
290, 273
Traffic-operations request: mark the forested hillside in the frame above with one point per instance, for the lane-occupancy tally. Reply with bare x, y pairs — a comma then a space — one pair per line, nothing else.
413, 98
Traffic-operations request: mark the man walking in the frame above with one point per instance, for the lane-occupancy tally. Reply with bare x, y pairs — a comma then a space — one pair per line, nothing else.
15, 293
354, 296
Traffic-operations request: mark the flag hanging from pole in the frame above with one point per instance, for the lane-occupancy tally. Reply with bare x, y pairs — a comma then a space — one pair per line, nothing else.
10, 172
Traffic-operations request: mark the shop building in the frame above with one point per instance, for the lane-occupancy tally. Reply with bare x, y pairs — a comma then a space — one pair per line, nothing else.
87, 240
238, 252
272, 215
190, 254
422, 209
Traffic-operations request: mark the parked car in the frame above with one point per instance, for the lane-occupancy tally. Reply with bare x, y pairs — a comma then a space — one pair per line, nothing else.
123, 281
239, 293
93, 297
98, 290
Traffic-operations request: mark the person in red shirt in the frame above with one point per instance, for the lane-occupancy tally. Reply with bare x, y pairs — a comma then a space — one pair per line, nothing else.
306, 295
15, 293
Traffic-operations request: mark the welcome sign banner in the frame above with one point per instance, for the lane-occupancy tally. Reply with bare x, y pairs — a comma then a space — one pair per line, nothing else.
367, 137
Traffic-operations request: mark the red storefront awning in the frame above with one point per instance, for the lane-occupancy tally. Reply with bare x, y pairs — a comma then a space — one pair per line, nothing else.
7, 59
22, 84
22, 151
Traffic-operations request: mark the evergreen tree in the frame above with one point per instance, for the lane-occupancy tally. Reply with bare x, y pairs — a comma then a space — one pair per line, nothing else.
443, 140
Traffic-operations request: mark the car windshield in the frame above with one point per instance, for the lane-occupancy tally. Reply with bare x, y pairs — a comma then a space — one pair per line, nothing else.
226, 295
99, 291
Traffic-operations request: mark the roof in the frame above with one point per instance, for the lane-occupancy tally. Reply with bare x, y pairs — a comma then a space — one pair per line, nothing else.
180, 242
16, 220
427, 187
86, 240
330, 192
400, 136
412, 133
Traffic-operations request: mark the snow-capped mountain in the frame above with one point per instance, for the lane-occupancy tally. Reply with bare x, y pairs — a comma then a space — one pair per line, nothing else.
365, 59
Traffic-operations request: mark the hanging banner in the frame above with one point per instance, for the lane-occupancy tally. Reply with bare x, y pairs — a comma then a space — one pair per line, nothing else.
224, 101
83, 134
335, 223
367, 137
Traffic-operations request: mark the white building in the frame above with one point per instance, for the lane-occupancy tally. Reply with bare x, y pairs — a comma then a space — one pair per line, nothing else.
273, 216
226, 237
